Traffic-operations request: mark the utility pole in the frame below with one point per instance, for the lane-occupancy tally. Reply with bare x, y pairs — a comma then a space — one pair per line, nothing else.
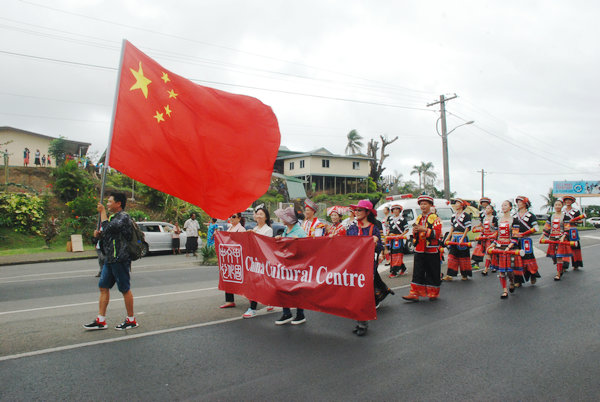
483, 173
444, 136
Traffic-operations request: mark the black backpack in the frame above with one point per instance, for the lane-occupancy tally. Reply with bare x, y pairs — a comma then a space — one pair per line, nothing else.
135, 245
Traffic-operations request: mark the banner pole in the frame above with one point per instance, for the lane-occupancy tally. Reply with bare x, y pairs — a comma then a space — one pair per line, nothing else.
112, 126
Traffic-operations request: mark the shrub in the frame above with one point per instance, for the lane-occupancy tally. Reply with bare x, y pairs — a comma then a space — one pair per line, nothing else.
208, 252
22, 212
71, 181
84, 225
138, 215
83, 205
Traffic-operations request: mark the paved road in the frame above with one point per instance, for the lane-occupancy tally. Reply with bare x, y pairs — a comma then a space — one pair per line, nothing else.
541, 344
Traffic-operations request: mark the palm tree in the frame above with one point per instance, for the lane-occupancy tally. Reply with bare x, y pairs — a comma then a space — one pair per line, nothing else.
550, 200
425, 172
354, 142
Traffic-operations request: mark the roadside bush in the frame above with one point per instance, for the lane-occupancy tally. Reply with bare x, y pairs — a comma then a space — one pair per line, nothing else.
83, 205
70, 181
22, 212
208, 253
83, 225
138, 215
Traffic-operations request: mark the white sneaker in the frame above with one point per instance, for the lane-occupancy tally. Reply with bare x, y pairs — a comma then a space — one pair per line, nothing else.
249, 313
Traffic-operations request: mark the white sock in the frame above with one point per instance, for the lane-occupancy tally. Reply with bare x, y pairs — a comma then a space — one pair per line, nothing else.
101, 318
131, 319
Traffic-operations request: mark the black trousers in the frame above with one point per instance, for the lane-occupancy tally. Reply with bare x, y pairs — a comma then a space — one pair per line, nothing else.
427, 269
191, 245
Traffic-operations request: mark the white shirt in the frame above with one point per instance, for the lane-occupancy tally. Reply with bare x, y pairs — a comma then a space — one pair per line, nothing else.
266, 230
191, 227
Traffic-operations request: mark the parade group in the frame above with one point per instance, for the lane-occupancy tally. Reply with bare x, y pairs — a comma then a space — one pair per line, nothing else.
503, 243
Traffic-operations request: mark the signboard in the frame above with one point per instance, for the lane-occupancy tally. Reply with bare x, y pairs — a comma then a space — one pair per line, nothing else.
576, 188
76, 243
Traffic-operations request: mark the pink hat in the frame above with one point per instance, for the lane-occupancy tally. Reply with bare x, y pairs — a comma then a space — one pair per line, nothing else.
366, 204
287, 215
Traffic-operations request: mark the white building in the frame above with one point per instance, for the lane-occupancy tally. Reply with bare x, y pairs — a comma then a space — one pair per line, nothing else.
20, 139
324, 171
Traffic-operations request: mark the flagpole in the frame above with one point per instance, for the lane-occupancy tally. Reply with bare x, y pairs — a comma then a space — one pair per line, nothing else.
112, 126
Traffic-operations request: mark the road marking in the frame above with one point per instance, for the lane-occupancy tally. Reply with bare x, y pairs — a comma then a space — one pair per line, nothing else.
96, 301
591, 237
125, 338
134, 271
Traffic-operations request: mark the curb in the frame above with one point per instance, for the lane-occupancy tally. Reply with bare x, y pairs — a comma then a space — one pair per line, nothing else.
41, 260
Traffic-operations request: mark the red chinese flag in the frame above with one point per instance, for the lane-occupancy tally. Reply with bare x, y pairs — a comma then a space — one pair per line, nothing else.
210, 148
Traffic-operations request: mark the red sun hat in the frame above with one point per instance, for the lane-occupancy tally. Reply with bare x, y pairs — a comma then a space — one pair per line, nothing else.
569, 197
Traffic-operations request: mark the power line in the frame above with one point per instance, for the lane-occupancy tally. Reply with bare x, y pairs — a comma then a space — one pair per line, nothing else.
228, 48
373, 89
227, 84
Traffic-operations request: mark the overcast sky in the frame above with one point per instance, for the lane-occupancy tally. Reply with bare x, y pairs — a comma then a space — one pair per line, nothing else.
525, 72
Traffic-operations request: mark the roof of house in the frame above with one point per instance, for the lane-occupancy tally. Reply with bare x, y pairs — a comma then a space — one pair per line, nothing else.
70, 143
287, 154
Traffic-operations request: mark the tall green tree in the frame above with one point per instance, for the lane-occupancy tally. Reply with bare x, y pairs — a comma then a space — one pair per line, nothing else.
549, 200
58, 149
355, 144
426, 174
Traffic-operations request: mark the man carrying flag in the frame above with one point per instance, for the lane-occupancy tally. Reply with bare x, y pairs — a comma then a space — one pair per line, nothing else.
166, 129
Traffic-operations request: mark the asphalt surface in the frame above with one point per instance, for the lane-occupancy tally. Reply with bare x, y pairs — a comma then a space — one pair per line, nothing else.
542, 343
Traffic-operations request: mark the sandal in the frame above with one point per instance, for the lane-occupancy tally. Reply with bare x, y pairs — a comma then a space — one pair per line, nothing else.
511, 288
484, 273
504, 295
557, 277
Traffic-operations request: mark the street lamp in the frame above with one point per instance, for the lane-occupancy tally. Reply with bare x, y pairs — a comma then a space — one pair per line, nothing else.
444, 136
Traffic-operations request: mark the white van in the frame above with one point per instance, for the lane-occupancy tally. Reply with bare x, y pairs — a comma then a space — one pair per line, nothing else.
411, 210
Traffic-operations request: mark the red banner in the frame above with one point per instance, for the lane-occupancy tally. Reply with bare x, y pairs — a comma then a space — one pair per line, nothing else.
329, 274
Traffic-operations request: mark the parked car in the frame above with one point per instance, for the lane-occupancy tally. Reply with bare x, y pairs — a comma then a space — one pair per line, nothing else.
158, 237
411, 211
594, 221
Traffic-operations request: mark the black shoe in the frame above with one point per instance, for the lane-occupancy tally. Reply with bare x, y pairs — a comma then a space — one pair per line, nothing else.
300, 319
98, 274
96, 325
360, 331
127, 325
285, 318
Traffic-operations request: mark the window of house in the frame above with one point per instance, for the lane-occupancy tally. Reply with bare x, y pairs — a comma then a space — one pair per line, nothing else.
356, 165
302, 164
291, 165
325, 163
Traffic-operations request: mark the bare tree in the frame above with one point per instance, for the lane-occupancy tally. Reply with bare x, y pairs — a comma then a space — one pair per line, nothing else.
378, 159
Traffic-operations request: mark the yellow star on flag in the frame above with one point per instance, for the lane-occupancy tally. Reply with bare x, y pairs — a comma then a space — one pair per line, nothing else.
165, 77
168, 110
172, 94
141, 82
159, 117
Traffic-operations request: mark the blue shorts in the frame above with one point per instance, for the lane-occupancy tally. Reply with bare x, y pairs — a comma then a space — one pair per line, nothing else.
115, 272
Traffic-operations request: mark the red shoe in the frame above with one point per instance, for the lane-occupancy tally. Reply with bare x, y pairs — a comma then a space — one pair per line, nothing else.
227, 305
412, 298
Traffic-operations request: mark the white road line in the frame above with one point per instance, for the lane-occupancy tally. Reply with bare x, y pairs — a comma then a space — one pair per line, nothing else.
96, 301
134, 271
124, 338
591, 237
